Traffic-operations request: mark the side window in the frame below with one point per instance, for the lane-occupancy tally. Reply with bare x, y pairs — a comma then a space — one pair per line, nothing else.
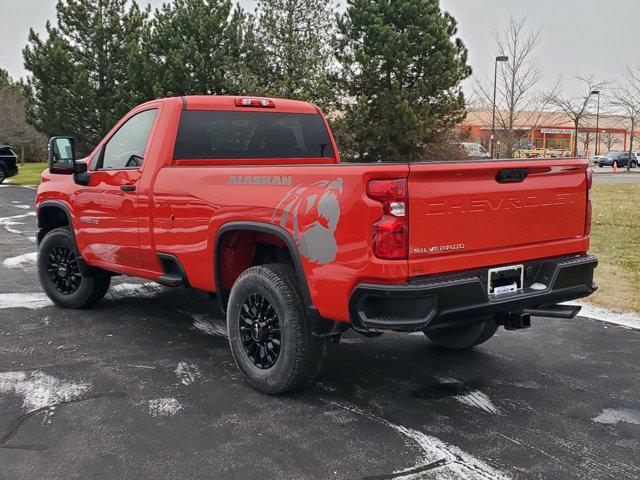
125, 149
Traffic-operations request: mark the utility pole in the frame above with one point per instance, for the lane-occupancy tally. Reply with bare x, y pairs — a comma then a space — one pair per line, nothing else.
500, 58
597, 149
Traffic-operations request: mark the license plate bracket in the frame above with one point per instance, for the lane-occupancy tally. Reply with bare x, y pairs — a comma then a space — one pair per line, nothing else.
505, 280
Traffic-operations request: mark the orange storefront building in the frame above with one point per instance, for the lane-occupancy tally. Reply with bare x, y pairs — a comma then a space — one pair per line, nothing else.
551, 132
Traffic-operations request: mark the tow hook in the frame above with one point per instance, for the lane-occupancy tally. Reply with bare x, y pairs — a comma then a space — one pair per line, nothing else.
514, 320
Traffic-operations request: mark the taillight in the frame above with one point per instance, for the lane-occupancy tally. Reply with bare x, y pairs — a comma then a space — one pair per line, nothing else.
255, 103
589, 215
391, 231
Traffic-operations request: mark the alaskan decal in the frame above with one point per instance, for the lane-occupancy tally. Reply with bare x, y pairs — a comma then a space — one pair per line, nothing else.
259, 180
312, 213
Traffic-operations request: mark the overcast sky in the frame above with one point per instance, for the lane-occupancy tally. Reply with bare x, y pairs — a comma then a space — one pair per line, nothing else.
579, 37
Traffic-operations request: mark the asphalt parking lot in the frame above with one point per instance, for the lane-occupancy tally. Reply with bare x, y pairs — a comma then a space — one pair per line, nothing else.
143, 386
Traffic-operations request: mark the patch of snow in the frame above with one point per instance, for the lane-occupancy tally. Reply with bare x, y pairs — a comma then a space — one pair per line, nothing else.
529, 385
24, 300
21, 260
23, 207
187, 373
8, 222
40, 300
625, 319
352, 341
473, 398
40, 390
143, 290
33, 239
612, 416
205, 324
478, 399
437, 459
164, 407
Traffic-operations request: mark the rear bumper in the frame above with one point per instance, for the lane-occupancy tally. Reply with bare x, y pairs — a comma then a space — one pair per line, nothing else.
446, 300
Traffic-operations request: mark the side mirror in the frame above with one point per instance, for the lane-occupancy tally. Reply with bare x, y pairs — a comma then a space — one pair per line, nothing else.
62, 155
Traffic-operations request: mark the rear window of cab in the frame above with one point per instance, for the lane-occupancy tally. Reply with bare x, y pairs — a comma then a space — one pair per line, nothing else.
210, 134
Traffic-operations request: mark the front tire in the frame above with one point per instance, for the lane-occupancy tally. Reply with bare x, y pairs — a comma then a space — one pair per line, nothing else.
60, 275
463, 337
3, 175
269, 335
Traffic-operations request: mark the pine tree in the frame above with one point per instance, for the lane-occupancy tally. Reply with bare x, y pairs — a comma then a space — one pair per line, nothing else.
293, 49
195, 47
5, 79
79, 81
402, 68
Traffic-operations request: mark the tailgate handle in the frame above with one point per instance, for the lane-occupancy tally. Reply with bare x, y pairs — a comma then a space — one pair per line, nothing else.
515, 175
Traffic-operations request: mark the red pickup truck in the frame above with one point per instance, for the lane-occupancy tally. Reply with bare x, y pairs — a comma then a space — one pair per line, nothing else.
246, 198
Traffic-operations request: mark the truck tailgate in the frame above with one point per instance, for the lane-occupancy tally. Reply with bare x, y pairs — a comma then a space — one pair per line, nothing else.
476, 214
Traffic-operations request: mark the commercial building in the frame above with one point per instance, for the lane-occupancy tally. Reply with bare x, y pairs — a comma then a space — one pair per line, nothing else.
550, 133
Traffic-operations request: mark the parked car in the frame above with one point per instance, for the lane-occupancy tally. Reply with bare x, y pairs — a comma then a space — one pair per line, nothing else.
475, 150
8, 163
247, 198
622, 160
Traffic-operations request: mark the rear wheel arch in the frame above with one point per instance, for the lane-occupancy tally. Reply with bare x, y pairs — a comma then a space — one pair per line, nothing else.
284, 239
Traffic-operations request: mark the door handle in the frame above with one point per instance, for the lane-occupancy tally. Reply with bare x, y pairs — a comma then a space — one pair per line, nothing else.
127, 188
515, 175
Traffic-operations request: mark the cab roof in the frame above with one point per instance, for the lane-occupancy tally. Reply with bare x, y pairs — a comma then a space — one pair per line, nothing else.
230, 103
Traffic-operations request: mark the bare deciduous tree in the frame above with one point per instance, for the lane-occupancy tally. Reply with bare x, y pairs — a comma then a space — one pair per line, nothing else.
576, 105
625, 100
609, 139
14, 129
518, 102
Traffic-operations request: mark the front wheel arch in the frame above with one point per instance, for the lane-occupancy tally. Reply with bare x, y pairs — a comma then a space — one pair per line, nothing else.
51, 215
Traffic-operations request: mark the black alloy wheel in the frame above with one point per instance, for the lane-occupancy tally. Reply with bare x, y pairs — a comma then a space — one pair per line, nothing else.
63, 271
260, 331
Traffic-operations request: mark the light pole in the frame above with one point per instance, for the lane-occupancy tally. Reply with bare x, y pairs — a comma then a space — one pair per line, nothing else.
500, 58
597, 149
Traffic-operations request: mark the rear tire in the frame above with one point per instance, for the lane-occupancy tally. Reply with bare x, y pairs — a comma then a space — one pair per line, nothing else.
269, 335
3, 174
60, 275
463, 337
